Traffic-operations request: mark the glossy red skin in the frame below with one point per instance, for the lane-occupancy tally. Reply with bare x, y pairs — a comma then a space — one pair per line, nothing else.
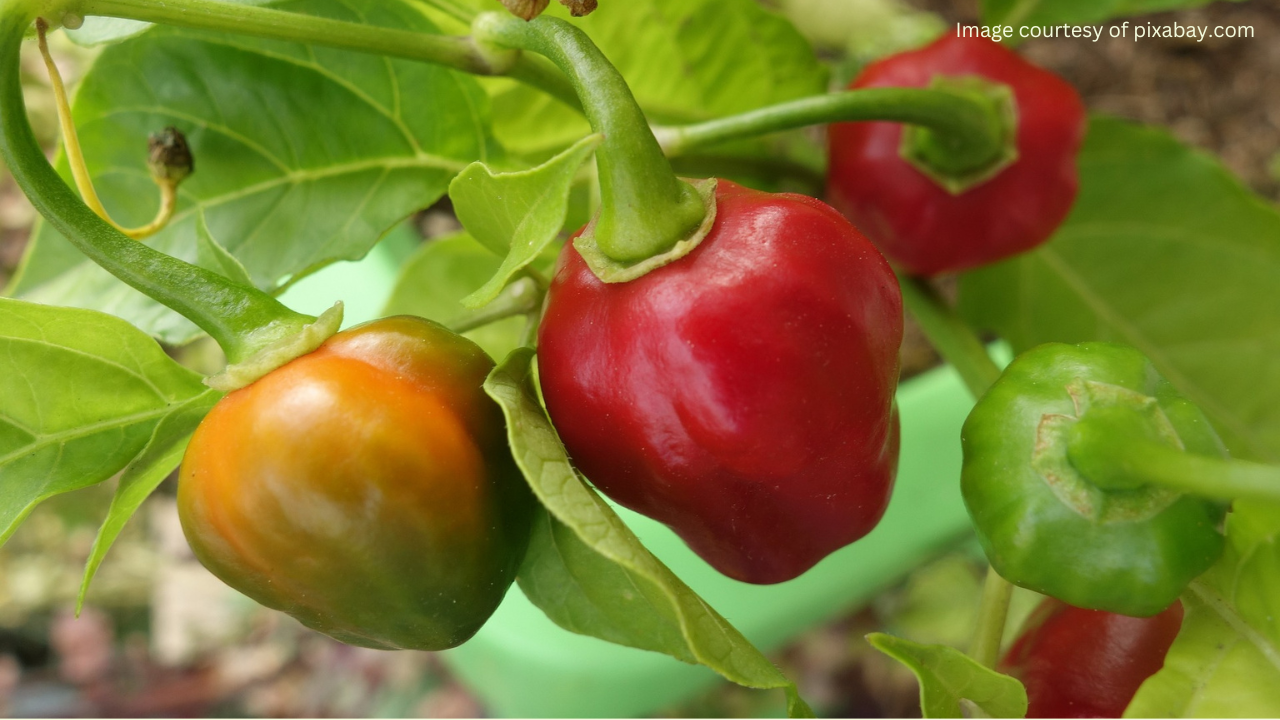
743, 395
919, 225
1088, 663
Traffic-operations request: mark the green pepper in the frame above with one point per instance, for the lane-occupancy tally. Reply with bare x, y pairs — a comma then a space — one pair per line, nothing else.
1071, 526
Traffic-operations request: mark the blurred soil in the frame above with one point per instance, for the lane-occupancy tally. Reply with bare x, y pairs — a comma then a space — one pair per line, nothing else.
160, 637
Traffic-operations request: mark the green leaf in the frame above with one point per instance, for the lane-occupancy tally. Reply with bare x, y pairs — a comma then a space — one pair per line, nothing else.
948, 676
1226, 660
106, 30
82, 395
440, 273
685, 60
144, 474
517, 214
591, 575
866, 29
303, 156
211, 255
1169, 253
1056, 12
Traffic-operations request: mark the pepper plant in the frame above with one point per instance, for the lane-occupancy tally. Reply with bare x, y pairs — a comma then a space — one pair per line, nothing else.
657, 323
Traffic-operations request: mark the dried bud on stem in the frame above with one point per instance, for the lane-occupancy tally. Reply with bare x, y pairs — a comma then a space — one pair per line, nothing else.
579, 8
169, 156
526, 9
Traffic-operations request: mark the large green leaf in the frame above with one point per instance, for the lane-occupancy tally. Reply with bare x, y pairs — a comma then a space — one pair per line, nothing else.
591, 575
1167, 252
685, 60
303, 155
1226, 660
1056, 12
82, 395
947, 677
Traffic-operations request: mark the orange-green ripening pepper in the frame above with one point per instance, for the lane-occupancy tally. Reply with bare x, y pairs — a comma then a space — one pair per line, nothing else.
366, 489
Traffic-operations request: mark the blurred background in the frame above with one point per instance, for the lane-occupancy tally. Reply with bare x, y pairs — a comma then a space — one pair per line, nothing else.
161, 637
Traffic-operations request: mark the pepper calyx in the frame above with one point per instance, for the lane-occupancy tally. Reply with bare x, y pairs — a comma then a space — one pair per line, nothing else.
610, 270
278, 353
960, 166
1099, 488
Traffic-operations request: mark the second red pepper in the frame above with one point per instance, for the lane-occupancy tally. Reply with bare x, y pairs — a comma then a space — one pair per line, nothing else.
743, 394
1088, 663
920, 225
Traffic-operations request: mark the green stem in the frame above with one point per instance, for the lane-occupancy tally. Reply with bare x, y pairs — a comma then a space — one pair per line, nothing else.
646, 209
1143, 461
949, 334
459, 53
519, 298
969, 124
992, 615
242, 320
960, 346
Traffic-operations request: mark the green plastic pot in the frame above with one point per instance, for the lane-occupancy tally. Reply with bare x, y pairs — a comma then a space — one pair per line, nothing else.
522, 665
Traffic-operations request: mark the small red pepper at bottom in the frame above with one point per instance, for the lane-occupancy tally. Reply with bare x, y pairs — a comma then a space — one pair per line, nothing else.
1079, 663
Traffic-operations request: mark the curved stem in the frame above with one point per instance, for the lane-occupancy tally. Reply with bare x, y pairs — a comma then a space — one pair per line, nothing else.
168, 205
519, 298
459, 53
70, 138
967, 121
949, 334
75, 156
646, 209
992, 615
1149, 462
242, 320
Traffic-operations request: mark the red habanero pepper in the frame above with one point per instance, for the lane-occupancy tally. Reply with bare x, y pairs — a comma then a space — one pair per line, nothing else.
926, 228
1080, 663
743, 394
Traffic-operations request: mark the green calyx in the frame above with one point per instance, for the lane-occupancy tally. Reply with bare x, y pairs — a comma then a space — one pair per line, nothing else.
279, 352
958, 163
610, 270
1128, 418
632, 234
1098, 489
